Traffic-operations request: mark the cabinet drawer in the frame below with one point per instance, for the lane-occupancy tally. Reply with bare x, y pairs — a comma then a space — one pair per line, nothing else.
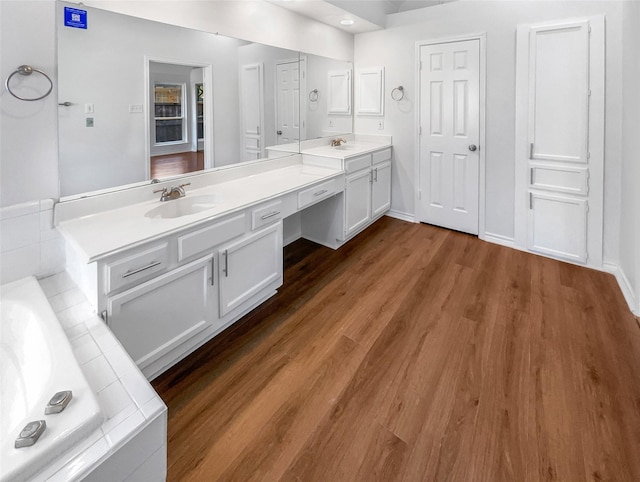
129, 270
307, 197
267, 214
381, 156
209, 237
356, 163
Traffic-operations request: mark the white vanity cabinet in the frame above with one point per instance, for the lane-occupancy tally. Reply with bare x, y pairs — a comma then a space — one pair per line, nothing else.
248, 267
155, 317
367, 196
165, 299
367, 190
357, 201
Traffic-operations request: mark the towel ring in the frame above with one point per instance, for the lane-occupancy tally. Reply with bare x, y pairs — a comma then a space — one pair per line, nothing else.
397, 94
313, 95
27, 70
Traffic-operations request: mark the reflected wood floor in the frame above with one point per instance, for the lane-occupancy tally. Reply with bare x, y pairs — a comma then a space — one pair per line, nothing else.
415, 353
170, 165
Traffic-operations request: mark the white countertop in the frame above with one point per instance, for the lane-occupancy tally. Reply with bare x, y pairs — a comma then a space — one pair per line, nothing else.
355, 145
344, 151
99, 235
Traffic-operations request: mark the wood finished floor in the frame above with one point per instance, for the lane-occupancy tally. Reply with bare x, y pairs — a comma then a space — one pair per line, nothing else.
415, 353
170, 165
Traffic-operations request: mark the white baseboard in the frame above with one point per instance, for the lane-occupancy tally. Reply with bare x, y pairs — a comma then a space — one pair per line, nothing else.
499, 239
400, 215
625, 287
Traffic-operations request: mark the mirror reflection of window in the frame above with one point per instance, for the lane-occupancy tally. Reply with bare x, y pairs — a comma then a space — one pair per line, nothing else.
169, 112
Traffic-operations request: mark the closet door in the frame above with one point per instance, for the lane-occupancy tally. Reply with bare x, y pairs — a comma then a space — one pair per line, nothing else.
559, 165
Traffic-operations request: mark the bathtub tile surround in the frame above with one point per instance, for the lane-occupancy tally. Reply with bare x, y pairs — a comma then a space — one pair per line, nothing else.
29, 243
131, 443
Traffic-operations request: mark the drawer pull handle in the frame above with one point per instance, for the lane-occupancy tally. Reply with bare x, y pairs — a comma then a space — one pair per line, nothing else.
226, 263
320, 193
270, 215
136, 271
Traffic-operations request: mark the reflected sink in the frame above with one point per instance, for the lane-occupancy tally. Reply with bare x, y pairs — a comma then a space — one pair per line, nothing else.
185, 206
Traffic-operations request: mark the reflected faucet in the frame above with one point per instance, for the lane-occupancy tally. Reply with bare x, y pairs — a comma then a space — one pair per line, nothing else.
338, 142
169, 193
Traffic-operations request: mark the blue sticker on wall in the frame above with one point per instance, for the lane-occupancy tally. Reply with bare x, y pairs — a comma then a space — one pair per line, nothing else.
74, 17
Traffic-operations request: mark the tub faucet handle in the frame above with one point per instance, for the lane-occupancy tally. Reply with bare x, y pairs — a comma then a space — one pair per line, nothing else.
58, 402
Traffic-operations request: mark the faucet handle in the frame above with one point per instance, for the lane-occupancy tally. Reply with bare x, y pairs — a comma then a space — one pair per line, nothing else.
163, 190
185, 184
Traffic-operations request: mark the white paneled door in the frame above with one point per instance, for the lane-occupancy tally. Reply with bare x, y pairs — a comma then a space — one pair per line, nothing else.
288, 102
251, 100
560, 95
449, 135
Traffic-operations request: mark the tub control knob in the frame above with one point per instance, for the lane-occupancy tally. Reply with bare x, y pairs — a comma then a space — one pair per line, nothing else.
30, 433
58, 402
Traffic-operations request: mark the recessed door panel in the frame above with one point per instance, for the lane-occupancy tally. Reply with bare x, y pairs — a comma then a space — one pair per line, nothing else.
460, 174
558, 226
435, 179
559, 95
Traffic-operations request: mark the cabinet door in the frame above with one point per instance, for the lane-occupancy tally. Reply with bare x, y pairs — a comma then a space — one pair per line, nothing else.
155, 317
357, 201
557, 223
381, 189
250, 266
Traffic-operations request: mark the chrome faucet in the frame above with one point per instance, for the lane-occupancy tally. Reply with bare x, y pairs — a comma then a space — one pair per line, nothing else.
338, 142
169, 193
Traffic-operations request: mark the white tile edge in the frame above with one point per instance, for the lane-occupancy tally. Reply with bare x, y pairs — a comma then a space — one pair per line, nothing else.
21, 209
90, 463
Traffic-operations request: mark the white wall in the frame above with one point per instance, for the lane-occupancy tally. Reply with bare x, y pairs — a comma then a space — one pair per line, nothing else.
28, 130
630, 191
29, 145
394, 48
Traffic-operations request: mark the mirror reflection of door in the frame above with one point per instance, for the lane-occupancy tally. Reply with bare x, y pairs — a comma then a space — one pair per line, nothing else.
177, 124
287, 102
251, 108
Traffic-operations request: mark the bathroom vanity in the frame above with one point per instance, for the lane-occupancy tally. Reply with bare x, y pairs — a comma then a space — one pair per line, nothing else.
168, 276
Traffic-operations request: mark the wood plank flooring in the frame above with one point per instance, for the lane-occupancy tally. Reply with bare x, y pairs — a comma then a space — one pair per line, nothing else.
169, 165
415, 353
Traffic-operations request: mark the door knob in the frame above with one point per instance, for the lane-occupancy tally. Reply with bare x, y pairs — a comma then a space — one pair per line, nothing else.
279, 133
472, 147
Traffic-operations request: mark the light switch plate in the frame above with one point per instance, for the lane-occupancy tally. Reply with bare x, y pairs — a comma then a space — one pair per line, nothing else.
135, 108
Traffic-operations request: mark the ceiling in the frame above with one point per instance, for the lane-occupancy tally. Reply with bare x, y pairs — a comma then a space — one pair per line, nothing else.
367, 15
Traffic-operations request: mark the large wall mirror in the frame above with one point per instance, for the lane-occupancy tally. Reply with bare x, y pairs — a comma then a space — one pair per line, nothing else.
142, 100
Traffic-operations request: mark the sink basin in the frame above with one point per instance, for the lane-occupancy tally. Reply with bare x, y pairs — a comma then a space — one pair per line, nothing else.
184, 206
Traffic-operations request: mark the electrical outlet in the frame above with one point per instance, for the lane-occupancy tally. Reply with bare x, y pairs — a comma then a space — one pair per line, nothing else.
381, 125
